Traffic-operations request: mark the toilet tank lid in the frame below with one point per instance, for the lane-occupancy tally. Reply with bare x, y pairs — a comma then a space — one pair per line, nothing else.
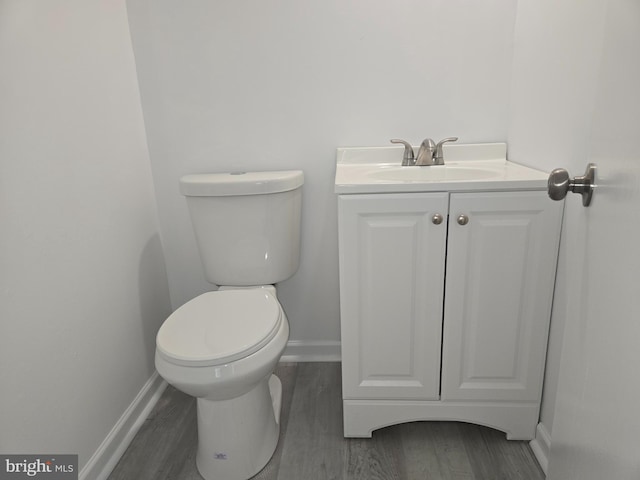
240, 183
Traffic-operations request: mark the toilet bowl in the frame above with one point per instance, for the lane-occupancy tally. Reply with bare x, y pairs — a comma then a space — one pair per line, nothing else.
221, 347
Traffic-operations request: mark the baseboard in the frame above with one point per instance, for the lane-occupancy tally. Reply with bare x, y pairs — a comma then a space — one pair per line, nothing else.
306, 351
541, 445
103, 461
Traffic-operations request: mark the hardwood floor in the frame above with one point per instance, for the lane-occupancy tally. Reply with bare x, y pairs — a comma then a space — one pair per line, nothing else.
312, 447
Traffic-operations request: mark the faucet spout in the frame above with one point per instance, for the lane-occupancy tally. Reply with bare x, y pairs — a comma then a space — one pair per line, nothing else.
426, 152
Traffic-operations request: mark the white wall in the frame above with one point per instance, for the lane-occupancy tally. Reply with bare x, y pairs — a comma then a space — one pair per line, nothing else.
83, 287
280, 84
555, 75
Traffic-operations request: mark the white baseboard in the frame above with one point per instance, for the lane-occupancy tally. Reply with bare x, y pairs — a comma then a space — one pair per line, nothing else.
541, 445
305, 351
103, 461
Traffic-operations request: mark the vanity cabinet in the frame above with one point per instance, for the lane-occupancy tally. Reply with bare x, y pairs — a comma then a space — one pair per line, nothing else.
445, 304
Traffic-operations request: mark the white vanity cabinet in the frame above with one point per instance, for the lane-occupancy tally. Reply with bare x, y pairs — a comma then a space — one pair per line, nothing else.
445, 304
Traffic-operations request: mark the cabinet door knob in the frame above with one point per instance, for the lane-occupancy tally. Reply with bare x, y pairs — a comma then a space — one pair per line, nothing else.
437, 219
463, 220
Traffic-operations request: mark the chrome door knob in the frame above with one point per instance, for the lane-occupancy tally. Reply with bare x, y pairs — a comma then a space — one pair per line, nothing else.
463, 220
437, 219
559, 184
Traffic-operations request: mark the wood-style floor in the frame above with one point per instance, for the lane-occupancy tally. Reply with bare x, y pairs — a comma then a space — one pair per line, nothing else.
312, 447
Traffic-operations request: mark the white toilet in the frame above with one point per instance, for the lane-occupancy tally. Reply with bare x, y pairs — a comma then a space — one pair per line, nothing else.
222, 346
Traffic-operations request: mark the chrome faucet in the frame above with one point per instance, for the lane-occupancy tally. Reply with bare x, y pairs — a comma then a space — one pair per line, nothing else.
438, 158
429, 154
425, 154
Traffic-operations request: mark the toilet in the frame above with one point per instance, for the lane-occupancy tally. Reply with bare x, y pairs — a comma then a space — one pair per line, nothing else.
222, 346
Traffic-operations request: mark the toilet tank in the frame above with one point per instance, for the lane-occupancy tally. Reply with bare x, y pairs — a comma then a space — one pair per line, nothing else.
247, 224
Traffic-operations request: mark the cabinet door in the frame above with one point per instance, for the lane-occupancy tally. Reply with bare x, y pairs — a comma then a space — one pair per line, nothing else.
391, 286
499, 287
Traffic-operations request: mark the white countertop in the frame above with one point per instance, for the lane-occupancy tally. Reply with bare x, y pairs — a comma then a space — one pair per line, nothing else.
468, 167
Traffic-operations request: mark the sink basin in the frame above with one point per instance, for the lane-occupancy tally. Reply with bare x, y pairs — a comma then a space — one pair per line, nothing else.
434, 173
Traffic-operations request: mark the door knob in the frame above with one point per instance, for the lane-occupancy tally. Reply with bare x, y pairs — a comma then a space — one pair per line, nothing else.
559, 184
437, 219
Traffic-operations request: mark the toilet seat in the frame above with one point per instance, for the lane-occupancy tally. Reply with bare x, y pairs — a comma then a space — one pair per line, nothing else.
219, 327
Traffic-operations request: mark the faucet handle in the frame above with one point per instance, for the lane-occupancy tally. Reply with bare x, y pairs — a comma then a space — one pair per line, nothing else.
408, 157
439, 157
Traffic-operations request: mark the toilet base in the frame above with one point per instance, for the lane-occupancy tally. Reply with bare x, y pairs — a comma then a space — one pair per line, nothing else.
237, 437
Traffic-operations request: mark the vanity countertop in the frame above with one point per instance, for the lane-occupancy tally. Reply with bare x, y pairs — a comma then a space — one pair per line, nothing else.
468, 167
